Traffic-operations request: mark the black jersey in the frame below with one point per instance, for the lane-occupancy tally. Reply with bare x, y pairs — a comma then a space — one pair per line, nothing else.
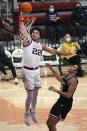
65, 86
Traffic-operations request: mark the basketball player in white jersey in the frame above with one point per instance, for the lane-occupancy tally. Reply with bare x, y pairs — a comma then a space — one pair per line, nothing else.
31, 71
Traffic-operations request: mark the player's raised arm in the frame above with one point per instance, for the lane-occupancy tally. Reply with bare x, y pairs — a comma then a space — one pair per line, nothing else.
53, 51
25, 34
58, 76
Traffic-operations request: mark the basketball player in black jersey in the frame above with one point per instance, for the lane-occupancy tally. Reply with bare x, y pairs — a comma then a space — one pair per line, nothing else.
64, 104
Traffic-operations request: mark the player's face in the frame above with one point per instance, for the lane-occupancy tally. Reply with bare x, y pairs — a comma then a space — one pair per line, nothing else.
73, 69
35, 35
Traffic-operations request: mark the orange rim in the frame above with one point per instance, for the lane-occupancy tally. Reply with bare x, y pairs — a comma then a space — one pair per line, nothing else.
26, 18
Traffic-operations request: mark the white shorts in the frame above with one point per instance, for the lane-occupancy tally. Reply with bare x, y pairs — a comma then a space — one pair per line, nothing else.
31, 78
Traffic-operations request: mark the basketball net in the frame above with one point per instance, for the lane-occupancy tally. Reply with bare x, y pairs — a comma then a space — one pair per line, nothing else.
25, 23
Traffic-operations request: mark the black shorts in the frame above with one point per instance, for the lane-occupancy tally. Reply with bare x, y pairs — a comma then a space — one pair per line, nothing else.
60, 109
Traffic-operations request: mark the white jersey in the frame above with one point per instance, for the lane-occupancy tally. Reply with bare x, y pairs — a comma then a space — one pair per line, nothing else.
32, 54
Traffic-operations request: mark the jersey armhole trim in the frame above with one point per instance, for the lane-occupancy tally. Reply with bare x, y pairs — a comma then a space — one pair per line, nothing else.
28, 44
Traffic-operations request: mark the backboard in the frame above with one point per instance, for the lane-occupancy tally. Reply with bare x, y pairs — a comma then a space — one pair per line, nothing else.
9, 16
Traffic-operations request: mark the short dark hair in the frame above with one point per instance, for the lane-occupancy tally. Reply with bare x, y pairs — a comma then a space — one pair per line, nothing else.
77, 3
36, 28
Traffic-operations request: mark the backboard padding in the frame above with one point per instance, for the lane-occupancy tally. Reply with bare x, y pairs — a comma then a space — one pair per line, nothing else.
9, 16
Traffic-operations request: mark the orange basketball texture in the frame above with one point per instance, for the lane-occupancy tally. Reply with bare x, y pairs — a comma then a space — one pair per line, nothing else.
26, 7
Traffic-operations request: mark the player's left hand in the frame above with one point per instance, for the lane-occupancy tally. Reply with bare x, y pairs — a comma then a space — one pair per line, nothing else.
52, 88
47, 65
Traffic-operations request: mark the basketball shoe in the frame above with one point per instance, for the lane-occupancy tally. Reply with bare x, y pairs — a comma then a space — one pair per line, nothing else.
6, 77
16, 80
27, 119
34, 117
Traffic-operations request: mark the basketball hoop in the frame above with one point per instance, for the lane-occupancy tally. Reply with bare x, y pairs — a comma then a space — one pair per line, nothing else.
26, 18
25, 22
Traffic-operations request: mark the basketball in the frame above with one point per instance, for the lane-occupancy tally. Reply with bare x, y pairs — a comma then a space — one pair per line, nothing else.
25, 7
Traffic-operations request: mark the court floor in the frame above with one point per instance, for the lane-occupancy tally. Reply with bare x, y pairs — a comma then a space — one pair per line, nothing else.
12, 99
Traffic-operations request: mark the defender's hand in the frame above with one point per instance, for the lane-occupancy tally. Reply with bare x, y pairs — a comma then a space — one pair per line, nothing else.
52, 88
47, 65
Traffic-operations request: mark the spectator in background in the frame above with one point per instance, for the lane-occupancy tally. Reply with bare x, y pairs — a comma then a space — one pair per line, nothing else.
53, 25
84, 47
74, 59
7, 36
5, 61
79, 20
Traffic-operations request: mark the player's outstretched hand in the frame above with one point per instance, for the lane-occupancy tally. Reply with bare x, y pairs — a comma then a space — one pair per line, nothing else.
64, 53
52, 88
68, 54
47, 65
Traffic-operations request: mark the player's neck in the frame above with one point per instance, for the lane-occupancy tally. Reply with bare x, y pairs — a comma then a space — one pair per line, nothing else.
36, 41
71, 74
